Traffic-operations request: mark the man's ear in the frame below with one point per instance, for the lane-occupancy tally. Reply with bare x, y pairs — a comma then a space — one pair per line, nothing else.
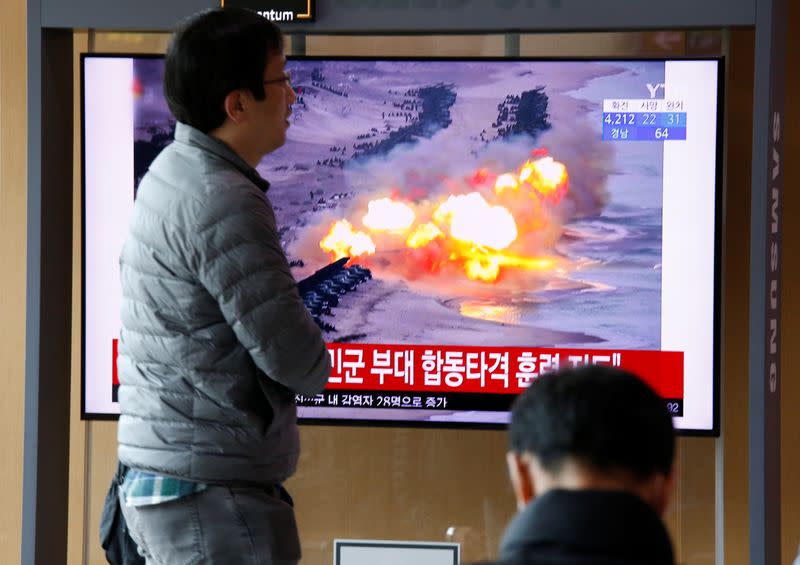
521, 479
234, 105
668, 491
661, 488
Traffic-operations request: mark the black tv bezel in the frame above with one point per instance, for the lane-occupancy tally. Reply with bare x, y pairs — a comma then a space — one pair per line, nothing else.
714, 431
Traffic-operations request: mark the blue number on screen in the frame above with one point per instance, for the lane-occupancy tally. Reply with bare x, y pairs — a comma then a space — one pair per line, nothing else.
662, 133
673, 119
649, 120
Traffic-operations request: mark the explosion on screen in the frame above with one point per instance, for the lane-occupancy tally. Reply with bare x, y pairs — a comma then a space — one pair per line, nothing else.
484, 233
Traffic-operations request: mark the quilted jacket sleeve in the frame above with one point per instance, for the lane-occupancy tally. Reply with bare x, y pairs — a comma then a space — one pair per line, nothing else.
241, 263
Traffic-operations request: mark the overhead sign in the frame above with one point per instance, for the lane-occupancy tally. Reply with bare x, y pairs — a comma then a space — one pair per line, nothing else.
277, 10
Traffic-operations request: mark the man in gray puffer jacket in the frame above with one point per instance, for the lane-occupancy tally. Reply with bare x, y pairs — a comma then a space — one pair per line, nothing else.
215, 340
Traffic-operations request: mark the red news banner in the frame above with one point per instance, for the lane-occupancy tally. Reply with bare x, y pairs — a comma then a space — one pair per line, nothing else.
493, 370
466, 371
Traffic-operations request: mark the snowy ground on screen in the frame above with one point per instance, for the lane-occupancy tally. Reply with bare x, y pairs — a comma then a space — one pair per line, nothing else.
392, 312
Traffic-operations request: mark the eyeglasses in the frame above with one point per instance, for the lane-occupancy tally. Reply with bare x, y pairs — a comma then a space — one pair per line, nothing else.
286, 79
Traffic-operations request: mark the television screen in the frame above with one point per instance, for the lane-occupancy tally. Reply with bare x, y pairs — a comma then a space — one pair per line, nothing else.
458, 227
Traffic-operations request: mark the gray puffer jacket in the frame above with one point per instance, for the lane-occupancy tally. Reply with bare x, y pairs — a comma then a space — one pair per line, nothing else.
215, 339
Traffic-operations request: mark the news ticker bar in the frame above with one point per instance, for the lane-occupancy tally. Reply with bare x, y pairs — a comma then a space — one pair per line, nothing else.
403, 400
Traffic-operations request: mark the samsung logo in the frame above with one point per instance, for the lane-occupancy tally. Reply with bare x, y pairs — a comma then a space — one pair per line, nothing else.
774, 254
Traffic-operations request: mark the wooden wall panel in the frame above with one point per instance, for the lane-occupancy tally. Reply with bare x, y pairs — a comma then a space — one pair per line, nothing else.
403, 484
101, 462
78, 537
413, 46
691, 520
13, 209
734, 398
607, 44
115, 42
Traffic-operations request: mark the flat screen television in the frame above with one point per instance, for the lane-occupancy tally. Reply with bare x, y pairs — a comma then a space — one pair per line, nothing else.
458, 226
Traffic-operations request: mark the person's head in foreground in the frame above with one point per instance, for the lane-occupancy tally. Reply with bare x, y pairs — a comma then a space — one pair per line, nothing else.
591, 464
224, 75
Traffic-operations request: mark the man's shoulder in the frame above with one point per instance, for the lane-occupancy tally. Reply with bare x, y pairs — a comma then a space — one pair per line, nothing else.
184, 166
190, 185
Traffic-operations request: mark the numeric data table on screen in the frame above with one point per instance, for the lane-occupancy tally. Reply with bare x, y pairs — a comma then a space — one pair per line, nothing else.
644, 120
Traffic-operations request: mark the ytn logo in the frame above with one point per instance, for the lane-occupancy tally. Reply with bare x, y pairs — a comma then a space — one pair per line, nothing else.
653, 88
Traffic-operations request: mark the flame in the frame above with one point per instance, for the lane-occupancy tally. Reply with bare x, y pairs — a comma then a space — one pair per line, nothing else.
482, 268
480, 177
506, 181
486, 266
343, 241
529, 263
495, 312
483, 233
546, 176
423, 235
525, 172
473, 220
386, 214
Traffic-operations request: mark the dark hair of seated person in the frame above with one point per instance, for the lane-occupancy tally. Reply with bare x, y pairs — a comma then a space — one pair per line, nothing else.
601, 416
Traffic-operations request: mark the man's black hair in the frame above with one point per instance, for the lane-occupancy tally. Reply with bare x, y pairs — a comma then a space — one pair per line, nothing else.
601, 416
212, 54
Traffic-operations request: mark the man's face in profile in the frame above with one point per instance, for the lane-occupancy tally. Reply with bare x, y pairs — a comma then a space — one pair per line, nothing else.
271, 115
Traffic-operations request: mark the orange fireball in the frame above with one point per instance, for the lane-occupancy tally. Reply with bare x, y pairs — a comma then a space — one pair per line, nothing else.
423, 235
505, 181
473, 220
386, 214
546, 176
343, 241
482, 268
